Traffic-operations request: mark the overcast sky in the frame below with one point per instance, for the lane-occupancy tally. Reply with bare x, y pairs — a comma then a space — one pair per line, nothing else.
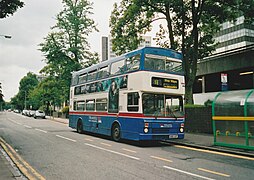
28, 26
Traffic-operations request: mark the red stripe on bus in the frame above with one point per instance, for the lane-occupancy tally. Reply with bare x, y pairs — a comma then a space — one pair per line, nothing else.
106, 113
132, 115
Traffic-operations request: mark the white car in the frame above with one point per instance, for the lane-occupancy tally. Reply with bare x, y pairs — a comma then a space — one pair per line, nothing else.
31, 113
40, 114
25, 112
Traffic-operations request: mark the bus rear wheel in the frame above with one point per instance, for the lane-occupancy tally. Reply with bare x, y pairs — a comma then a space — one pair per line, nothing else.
116, 132
80, 127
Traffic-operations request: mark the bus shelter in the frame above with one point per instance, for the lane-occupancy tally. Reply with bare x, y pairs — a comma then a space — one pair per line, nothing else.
233, 119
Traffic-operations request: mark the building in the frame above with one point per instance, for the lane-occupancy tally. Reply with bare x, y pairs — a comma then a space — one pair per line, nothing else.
108, 53
104, 51
231, 66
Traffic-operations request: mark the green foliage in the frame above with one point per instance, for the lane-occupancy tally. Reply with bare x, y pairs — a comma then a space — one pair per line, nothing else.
47, 93
208, 103
190, 27
65, 110
6, 105
66, 48
8, 7
26, 86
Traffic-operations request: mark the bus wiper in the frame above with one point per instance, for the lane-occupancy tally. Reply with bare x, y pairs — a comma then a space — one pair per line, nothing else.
156, 113
173, 114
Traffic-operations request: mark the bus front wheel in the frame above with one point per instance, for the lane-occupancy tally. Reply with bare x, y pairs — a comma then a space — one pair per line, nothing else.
80, 127
116, 132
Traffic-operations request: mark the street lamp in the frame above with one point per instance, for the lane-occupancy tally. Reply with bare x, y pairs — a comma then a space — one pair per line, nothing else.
1, 97
6, 36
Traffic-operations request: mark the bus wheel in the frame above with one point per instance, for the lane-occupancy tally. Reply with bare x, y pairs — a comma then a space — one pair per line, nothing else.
116, 132
80, 127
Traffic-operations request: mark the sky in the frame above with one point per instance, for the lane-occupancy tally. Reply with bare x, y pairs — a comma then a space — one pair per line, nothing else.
28, 26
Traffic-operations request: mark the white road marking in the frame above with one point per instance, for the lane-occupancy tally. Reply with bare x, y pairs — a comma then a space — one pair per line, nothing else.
115, 152
41, 130
162, 159
66, 138
27, 126
88, 139
188, 173
20, 115
15, 122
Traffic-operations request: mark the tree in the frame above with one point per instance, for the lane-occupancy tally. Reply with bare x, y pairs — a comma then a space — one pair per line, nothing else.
66, 48
47, 93
190, 27
8, 7
26, 85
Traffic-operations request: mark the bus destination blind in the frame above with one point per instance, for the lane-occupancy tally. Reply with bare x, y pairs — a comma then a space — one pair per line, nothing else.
164, 83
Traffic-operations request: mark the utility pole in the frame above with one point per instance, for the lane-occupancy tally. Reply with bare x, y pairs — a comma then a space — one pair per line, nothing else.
25, 99
1, 97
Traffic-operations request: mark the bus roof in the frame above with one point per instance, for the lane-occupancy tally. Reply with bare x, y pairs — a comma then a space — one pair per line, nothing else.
153, 50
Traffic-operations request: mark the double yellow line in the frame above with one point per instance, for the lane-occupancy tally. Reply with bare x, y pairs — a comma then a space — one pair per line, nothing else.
22, 165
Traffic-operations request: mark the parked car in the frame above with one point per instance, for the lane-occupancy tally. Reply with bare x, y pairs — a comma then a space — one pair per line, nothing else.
16, 111
31, 113
25, 112
39, 114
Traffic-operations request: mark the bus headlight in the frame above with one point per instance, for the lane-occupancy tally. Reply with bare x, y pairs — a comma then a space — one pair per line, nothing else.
181, 130
145, 130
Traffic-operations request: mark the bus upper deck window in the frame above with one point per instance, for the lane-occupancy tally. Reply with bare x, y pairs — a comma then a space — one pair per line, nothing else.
103, 73
132, 63
92, 75
118, 67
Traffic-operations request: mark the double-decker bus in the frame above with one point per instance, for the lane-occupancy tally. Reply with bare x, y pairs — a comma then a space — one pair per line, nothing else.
136, 96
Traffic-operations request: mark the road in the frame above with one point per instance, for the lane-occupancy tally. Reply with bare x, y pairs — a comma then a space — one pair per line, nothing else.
57, 152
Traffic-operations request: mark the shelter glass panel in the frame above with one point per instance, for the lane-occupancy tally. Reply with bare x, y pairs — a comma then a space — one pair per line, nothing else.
230, 104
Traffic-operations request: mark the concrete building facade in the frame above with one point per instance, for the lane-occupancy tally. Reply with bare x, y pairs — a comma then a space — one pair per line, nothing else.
108, 53
104, 50
231, 66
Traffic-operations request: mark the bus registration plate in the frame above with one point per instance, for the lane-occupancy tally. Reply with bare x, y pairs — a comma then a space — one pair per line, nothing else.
173, 136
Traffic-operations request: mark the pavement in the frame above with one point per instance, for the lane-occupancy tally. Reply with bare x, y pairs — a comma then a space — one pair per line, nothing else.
194, 140
5, 168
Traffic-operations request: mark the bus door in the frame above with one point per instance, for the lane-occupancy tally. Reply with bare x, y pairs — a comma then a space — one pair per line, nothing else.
92, 120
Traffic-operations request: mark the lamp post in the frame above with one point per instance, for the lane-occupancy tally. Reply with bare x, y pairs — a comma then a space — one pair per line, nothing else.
6, 36
1, 97
25, 99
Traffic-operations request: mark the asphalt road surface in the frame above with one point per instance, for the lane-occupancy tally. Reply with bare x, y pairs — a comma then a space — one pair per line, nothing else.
57, 152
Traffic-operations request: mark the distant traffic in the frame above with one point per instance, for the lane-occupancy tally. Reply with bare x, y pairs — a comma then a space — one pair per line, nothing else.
31, 113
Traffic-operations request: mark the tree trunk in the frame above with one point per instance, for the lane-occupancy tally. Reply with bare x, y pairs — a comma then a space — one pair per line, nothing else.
192, 68
170, 28
188, 95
